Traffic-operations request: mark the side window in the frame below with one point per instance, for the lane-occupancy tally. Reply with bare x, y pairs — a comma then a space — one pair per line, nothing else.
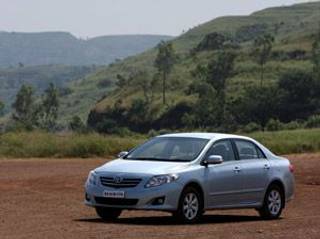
222, 148
260, 153
247, 150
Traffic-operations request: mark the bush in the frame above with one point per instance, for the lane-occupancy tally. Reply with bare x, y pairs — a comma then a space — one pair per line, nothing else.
274, 125
104, 83
152, 133
251, 127
293, 125
123, 131
212, 41
164, 131
313, 122
77, 125
107, 126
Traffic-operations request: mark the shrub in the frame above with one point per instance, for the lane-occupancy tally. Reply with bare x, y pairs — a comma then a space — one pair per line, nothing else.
104, 83
107, 126
274, 125
212, 41
246, 33
152, 133
293, 125
123, 131
251, 127
164, 131
77, 125
313, 122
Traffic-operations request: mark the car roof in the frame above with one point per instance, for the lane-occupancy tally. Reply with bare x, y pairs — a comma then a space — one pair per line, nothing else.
210, 136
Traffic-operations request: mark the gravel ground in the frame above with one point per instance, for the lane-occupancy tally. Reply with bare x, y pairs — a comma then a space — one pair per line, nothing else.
43, 198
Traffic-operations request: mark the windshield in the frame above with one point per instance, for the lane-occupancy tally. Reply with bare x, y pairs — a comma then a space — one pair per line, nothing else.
176, 149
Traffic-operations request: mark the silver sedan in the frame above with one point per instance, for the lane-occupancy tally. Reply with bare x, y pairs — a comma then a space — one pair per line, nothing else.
189, 173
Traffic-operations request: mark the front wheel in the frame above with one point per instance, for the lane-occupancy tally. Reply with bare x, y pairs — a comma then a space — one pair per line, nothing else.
190, 206
273, 203
108, 214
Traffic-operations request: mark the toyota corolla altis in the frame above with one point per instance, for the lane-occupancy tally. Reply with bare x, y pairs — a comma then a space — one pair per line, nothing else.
189, 173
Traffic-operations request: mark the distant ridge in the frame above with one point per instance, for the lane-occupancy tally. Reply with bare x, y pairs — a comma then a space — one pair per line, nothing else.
44, 48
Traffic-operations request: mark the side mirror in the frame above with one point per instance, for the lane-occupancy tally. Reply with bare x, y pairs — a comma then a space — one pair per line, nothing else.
122, 154
213, 159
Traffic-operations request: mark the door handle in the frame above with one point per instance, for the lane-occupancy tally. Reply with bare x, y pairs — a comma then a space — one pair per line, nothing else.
237, 169
266, 167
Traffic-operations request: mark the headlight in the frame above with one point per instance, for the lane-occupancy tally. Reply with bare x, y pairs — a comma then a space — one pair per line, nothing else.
161, 179
92, 178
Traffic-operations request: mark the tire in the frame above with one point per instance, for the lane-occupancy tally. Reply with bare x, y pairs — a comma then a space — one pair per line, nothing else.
190, 207
273, 203
108, 214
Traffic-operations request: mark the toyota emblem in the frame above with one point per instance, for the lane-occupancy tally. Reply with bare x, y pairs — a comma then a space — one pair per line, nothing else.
117, 180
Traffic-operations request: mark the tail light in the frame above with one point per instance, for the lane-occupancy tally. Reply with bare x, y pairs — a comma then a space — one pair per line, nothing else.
291, 168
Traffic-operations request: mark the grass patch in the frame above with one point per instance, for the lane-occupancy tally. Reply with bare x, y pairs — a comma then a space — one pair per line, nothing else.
40, 144
290, 141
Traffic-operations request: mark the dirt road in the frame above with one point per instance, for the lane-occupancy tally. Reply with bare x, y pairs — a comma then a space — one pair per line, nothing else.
43, 199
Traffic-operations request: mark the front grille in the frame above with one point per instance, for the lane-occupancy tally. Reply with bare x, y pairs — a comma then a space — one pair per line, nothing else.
116, 201
122, 183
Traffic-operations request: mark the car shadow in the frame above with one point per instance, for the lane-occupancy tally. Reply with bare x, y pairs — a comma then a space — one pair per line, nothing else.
168, 220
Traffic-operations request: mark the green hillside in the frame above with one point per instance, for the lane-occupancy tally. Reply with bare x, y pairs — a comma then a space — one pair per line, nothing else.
45, 48
39, 77
293, 27
38, 59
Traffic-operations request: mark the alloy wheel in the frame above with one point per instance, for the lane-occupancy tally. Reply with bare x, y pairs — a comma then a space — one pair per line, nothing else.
274, 202
190, 206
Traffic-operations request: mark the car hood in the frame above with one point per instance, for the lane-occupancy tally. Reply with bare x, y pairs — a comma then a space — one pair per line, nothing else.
141, 167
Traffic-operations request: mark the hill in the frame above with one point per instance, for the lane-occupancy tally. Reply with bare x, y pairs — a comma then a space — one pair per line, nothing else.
39, 77
62, 48
293, 27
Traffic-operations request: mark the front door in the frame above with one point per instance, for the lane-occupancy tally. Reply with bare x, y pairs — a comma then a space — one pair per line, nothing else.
224, 181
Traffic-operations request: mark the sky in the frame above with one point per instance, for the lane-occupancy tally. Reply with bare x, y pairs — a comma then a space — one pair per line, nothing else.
89, 18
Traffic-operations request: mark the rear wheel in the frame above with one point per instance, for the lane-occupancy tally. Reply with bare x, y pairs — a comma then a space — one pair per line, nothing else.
190, 206
108, 214
273, 203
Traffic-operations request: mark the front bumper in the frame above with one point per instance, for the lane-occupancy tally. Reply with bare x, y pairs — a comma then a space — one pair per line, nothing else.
138, 198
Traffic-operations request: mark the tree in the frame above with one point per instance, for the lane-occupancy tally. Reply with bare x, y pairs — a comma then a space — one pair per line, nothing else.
262, 51
212, 41
1, 108
24, 107
142, 80
219, 70
122, 81
210, 85
200, 73
77, 125
257, 104
299, 94
137, 114
49, 108
164, 62
316, 55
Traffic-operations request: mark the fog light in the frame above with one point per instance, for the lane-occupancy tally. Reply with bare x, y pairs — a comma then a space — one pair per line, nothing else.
158, 201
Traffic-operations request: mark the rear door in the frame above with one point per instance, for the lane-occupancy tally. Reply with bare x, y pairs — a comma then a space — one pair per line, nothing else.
255, 168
